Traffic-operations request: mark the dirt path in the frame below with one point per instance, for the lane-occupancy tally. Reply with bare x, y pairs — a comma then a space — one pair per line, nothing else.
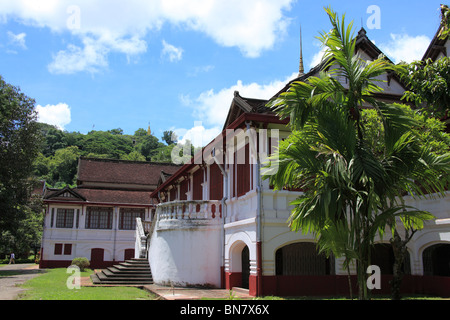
15, 275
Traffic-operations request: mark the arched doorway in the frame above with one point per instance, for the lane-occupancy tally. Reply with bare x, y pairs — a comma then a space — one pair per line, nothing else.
302, 259
238, 269
436, 260
245, 262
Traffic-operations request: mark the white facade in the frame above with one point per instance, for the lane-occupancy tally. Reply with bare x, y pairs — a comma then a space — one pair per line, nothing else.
113, 241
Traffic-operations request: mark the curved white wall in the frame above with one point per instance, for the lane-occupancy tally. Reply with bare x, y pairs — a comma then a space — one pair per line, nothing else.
186, 253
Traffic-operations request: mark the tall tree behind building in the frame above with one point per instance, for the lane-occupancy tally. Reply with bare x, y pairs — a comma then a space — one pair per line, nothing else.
19, 144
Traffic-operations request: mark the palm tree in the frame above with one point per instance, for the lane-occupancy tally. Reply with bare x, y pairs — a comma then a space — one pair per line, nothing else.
351, 191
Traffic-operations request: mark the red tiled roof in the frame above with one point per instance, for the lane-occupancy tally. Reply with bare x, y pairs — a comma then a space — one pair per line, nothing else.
115, 196
123, 172
99, 196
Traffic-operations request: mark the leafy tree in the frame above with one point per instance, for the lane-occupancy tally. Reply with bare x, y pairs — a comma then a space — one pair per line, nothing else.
429, 83
430, 135
133, 156
117, 131
163, 154
63, 166
27, 233
353, 186
19, 143
445, 17
149, 145
140, 132
100, 142
169, 137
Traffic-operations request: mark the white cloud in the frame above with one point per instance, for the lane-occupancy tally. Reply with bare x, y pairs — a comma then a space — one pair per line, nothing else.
199, 136
252, 25
211, 108
403, 47
57, 115
317, 58
91, 58
17, 39
171, 52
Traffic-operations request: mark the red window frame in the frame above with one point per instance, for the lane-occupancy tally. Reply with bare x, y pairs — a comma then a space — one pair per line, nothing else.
184, 189
58, 249
99, 218
197, 190
243, 172
67, 249
64, 218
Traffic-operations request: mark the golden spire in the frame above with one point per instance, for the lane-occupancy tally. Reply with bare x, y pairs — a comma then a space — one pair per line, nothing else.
149, 131
301, 69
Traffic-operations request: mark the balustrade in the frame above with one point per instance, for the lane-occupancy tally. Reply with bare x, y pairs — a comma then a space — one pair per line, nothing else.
190, 210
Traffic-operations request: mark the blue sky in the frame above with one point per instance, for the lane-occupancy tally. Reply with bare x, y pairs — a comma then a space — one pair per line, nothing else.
103, 64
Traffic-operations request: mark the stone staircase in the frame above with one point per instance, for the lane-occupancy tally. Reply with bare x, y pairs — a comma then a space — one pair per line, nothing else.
131, 272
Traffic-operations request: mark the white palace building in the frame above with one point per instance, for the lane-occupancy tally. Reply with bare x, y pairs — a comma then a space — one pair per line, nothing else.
218, 224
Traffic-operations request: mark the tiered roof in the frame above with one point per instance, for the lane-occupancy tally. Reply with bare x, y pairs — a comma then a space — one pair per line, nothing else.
112, 182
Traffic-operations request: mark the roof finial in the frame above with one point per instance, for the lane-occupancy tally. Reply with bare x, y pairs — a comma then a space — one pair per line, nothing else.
301, 70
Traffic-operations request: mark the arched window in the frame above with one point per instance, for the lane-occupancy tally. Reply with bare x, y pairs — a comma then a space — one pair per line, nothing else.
302, 258
436, 260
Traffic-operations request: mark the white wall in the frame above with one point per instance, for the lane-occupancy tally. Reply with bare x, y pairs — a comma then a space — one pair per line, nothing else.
186, 253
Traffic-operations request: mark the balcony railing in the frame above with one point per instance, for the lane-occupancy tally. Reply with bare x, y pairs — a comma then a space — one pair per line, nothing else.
190, 210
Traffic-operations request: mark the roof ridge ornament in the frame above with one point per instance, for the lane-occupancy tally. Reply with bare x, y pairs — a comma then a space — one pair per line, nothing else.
301, 69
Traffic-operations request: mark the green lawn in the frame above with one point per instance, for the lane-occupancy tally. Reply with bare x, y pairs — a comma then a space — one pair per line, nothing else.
52, 286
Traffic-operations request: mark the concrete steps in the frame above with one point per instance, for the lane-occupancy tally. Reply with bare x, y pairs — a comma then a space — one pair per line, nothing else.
131, 272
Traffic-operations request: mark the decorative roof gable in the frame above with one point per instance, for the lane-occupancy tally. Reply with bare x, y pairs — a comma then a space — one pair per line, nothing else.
66, 194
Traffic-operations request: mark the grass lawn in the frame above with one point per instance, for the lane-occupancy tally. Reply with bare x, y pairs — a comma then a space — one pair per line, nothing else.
52, 286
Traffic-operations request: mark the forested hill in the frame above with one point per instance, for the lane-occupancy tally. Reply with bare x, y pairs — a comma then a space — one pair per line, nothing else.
60, 150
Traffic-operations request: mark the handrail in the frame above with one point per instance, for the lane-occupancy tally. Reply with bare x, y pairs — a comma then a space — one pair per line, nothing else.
141, 239
150, 233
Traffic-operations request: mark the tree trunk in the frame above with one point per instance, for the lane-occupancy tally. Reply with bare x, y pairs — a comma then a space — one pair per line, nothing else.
349, 278
400, 251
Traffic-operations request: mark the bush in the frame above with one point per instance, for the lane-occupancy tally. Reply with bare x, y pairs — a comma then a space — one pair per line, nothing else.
81, 263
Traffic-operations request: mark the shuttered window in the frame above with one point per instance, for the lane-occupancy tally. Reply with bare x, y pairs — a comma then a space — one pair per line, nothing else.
243, 171
184, 189
197, 185
127, 220
215, 182
99, 218
64, 218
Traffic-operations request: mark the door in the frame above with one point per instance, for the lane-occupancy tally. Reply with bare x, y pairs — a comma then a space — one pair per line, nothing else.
129, 254
97, 258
